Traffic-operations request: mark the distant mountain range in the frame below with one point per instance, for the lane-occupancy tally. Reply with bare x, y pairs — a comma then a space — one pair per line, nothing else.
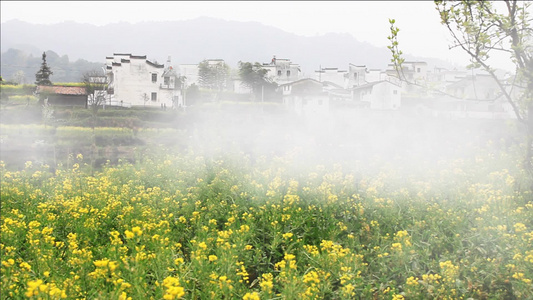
191, 41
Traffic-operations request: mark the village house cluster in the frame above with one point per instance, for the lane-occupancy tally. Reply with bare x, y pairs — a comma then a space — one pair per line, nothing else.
136, 81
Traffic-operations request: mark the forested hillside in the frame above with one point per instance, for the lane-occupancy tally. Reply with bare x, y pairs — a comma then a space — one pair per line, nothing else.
19, 66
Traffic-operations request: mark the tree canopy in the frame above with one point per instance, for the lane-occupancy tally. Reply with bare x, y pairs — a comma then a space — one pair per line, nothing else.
213, 76
42, 77
481, 29
254, 77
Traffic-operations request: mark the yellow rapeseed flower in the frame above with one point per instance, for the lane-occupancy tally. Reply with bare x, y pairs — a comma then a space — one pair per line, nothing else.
412, 280
266, 283
397, 247
251, 296
137, 230
124, 296
129, 234
518, 227
173, 290
287, 235
25, 265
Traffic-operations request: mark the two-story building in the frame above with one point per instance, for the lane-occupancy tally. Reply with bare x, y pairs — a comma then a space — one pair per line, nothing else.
352, 77
333, 75
135, 81
356, 76
412, 71
282, 70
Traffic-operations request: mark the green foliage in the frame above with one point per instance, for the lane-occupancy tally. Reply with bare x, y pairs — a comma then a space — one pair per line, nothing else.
42, 77
129, 118
190, 226
20, 89
16, 92
15, 61
23, 99
213, 76
254, 77
397, 58
479, 29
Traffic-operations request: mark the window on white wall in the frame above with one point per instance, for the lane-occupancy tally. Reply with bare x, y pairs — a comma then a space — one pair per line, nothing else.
154, 77
288, 73
154, 96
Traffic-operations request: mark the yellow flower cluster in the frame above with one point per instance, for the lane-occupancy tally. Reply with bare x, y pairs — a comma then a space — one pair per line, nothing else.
44, 290
179, 226
173, 289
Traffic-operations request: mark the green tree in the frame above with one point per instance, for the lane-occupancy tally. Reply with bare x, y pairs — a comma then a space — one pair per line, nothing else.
479, 29
42, 77
213, 76
254, 77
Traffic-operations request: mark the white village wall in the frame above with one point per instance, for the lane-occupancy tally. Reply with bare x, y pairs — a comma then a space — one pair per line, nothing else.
332, 75
385, 96
133, 84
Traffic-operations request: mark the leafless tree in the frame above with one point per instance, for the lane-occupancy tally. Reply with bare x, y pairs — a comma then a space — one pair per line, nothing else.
96, 85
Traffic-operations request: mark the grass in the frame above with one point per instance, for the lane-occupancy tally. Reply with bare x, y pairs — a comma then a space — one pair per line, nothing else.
221, 226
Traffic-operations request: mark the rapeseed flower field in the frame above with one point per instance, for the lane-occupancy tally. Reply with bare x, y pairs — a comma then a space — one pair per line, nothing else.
192, 227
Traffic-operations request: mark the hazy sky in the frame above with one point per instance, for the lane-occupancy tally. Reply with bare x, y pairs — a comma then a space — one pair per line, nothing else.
420, 33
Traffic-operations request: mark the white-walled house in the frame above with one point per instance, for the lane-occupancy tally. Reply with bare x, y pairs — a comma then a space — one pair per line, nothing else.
446, 76
136, 81
334, 75
379, 95
305, 97
475, 96
356, 76
414, 71
282, 70
353, 77
373, 75
477, 87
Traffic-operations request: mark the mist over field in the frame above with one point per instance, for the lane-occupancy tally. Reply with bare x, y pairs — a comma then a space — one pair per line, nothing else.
246, 201
348, 136
341, 136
